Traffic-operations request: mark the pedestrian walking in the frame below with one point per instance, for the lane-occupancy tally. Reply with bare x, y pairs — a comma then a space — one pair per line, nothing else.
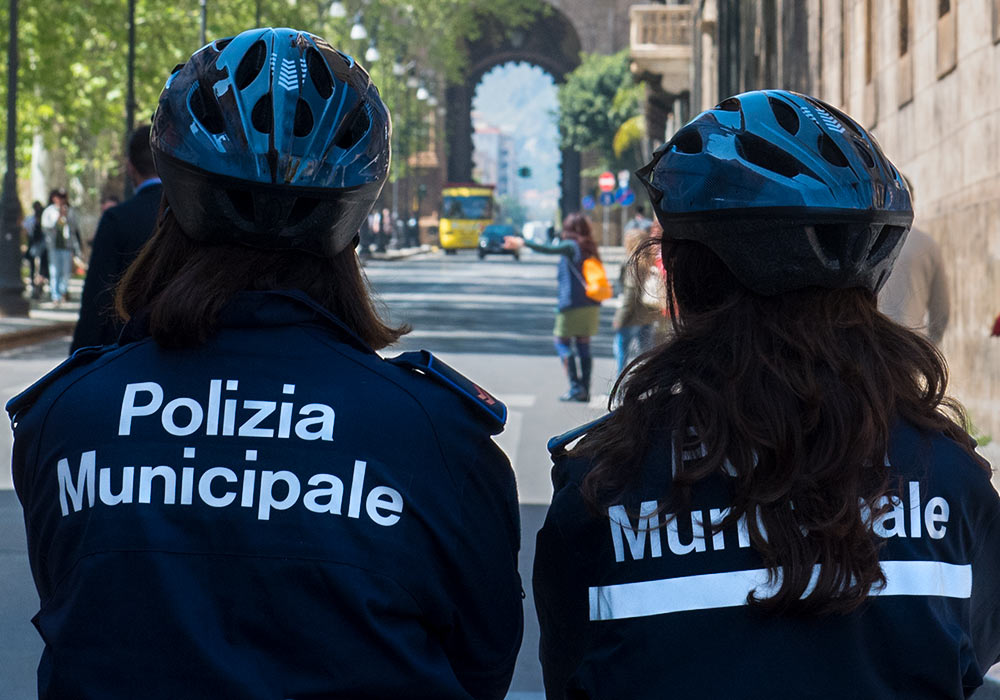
62, 243
121, 232
35, 249
785, 503
641, 301
638, 225
387, 232
315, 521
577, 316
916, 293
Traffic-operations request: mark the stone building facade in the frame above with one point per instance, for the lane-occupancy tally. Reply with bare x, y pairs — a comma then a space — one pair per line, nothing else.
924, 77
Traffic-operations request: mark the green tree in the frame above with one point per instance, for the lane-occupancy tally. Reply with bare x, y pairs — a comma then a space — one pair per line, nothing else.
595, 101
72, 78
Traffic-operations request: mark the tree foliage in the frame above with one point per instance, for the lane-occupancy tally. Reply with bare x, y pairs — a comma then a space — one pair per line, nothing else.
595, 101
73, 61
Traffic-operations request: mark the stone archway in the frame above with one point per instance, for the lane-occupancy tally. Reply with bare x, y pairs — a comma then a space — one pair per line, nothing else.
552, 44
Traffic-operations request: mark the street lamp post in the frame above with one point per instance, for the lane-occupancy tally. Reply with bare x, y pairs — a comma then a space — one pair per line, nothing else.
204, 20
130, 88
12, 301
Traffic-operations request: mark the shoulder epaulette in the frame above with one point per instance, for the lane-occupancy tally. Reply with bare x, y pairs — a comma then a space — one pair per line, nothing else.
487, 405
557, 445
79, 358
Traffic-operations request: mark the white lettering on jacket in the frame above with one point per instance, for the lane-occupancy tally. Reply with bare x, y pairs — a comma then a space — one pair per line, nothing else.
903, 519
222, 415
218, 487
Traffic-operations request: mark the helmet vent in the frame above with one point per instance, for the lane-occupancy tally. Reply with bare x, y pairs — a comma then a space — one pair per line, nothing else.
831, 152
262, 116
844, 120
886, 242
303, 119
319, 73
222, 43
353, 129
827, 241
785, 115
242, 202
251, 64
303, 207
729, 105
766, 155
205, 108
864, 153
687, 141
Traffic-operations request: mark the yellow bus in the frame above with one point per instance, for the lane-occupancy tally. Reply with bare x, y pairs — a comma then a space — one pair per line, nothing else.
466, 209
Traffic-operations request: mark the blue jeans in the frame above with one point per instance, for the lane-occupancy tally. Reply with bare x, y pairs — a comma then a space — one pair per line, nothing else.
630, 342
60, 269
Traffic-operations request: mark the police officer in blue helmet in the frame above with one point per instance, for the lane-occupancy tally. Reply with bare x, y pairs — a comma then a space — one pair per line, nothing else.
784, 502
242, 499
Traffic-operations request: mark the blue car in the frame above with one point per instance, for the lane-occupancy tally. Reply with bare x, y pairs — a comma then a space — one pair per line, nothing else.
491, 241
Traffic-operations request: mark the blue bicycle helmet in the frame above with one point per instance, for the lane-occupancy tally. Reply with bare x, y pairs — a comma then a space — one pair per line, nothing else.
272, 139
787, 190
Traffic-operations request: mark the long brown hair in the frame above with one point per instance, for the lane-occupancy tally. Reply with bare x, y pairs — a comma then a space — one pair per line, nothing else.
577, 228
794, 396
183, 285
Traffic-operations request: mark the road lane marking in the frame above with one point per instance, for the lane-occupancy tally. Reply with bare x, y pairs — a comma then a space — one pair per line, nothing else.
495, 300
517, 400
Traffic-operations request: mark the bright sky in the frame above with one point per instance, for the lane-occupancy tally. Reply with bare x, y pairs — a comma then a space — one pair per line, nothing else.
520, 99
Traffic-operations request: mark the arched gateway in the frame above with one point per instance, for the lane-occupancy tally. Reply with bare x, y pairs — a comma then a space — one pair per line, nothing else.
553, 43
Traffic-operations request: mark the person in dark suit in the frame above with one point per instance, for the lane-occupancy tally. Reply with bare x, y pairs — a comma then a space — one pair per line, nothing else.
122, 231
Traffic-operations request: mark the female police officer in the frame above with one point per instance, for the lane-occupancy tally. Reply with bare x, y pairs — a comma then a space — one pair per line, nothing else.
784, 503
242, 499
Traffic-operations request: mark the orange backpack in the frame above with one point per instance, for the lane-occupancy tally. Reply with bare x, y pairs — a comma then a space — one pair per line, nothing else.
595, 281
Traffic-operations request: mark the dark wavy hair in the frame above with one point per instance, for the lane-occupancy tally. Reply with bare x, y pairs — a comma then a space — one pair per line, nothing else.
798, 392
577, 228
183, 285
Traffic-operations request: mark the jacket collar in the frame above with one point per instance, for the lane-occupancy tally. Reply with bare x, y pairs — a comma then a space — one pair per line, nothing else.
283, 307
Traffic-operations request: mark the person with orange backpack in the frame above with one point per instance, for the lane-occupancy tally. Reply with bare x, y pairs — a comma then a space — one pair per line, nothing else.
583, 285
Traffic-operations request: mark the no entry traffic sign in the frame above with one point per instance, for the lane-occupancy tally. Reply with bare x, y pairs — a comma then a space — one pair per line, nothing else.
606, 181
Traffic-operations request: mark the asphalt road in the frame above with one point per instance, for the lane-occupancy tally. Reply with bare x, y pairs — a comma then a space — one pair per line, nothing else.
490, 320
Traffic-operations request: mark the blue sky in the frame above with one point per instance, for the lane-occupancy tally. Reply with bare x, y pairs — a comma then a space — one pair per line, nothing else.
521, 99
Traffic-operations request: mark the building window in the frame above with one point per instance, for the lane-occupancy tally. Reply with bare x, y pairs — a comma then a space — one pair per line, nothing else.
904, 26
845, 54
904, 66
869, 41
947, 38
996, 20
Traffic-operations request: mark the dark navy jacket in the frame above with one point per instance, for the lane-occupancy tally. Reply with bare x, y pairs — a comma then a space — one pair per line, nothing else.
121, 232
632, 607
279, 513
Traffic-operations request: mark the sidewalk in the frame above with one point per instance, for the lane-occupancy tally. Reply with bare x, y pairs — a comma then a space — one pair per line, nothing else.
45, 320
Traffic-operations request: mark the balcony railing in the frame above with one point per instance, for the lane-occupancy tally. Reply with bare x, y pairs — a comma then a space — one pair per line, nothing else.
660, 37
656, 26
